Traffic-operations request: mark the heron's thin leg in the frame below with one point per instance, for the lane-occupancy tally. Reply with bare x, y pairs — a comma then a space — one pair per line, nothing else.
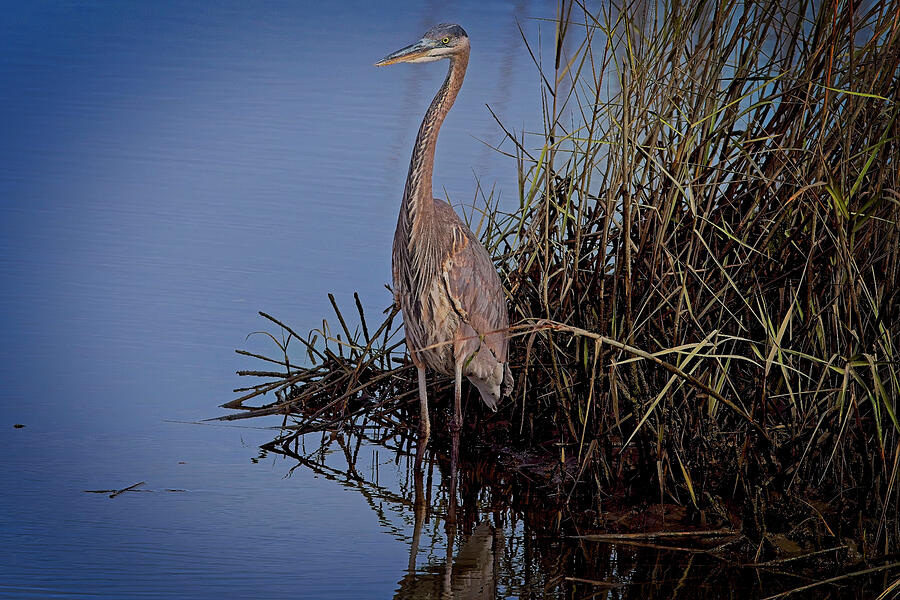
424, 422
456, 424
455, 427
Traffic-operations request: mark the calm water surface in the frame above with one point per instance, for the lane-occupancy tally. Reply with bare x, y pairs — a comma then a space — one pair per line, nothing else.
166, 170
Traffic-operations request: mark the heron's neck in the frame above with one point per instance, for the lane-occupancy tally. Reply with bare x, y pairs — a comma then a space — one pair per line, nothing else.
418, 204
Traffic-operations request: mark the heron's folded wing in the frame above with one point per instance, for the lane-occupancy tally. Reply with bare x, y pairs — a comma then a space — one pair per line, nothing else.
476, 291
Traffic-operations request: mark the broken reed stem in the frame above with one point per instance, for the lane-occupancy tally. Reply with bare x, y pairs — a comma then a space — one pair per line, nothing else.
833, 580
127, 489
656, 535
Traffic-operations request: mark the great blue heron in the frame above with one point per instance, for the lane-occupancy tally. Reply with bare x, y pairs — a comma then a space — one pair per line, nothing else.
453, 304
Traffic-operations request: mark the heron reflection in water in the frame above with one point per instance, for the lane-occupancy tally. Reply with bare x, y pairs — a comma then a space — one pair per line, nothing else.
471, 573
453, 304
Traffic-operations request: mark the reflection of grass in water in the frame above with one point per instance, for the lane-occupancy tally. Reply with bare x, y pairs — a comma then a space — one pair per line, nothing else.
703, 275
521, 553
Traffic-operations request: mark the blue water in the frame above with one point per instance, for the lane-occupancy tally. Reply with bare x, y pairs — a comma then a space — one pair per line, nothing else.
167, 169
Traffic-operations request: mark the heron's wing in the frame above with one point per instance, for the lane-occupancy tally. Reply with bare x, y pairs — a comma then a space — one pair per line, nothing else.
472, 283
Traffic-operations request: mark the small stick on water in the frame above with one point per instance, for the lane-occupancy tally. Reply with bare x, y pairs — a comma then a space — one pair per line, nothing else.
781, 561
275, 409
653, 535
594, 582
834, 580
128, 489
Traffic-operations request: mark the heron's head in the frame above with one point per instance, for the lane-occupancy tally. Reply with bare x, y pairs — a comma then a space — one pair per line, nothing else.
441, 41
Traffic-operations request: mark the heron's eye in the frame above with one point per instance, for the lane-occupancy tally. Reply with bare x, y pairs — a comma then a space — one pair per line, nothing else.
446, 40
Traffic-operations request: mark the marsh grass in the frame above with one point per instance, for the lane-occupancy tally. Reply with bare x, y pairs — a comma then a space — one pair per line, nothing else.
702, 272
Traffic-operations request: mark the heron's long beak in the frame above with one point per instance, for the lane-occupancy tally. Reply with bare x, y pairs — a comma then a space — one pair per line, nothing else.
412, 52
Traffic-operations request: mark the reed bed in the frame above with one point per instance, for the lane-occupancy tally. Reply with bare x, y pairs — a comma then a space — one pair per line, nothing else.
703, 273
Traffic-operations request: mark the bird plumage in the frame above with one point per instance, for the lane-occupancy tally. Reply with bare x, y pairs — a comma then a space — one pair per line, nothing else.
453, 304
452, 300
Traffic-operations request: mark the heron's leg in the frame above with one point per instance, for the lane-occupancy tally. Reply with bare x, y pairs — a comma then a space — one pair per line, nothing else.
424, 422
455, 427
456, 423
